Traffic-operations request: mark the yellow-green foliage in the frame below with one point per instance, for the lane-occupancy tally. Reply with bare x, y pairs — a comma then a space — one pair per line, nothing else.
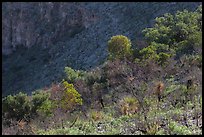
119, 46
70, 97
131, 101
149, 52
96, 115
130, 105
177, 129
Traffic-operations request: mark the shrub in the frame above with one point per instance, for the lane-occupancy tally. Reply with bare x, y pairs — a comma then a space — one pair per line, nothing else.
96, 115
181, 32
21, 106
156, 52
38, 98
191, 60
176, 129
152, 128
70, 97
46, 108
119, 47
91, 77
16, 106
129, 106
72, 75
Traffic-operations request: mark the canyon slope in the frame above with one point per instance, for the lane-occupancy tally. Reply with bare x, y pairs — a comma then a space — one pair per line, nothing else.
40, 39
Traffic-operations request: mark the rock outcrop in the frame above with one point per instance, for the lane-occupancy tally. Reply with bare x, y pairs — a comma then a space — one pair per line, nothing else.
29, 24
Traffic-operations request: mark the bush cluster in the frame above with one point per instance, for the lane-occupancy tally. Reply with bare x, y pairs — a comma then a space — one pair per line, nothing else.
21, 106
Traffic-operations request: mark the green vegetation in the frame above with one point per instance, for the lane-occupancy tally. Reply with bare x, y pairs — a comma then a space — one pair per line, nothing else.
173, 35
70, 97
159, 92
21, 106
16, 106
119, 47
72, 75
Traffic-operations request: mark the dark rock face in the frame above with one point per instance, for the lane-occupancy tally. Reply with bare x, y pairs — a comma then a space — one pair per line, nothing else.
30, 24
53, 35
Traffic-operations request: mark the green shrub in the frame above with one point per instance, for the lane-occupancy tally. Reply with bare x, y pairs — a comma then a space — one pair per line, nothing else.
129, 106
177, 129
16, 106
179, 33
21, 106
131, 101
42, 105
71, 74
90, 78
160, 132
156, 52
38, 98
149, 53
119, 47
163, 57
46, 108
96, 115
94, 76
70, 98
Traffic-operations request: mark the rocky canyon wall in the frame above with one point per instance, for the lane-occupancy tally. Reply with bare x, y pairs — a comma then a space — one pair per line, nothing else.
40, 23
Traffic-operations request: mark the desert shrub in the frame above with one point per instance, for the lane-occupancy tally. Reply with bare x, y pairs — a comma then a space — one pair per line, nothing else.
156, 52
119, 47
171, 29
70, 98
176, 113
149, 53
96, 115
152, 128
191, 60
64, 98
129, 106
96, 74
88, 128
72, 75
178, 95
177, 129
163, 58
39, 99
21, 106
46, 108
116, 72
93, 76
160, 132
17, 106
174, 34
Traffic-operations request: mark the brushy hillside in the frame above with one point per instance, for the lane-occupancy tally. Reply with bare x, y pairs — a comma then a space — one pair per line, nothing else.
56, 35
154, 89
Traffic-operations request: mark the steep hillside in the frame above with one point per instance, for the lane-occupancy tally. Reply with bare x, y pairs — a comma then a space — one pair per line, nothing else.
40, 39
